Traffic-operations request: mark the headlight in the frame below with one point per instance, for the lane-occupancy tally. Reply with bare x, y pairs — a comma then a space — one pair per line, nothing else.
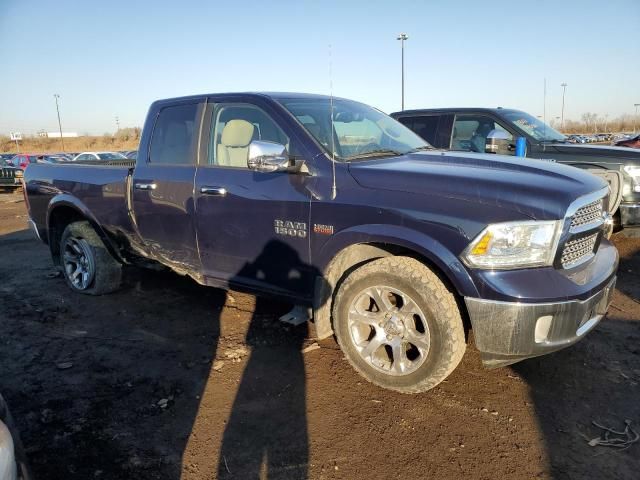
514, 245
19, 174
634, 172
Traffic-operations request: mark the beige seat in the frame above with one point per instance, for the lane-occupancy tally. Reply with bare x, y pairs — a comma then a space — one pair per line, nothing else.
233, 149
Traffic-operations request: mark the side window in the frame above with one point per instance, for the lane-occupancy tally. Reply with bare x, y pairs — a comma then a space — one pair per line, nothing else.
426, 127
407, 122
174, 136
470, 132
234, 127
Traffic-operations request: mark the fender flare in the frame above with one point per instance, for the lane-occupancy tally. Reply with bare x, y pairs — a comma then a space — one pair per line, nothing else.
355, 245
69, 201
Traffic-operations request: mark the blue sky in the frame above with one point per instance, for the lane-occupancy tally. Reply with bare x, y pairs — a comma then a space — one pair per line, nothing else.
113, 58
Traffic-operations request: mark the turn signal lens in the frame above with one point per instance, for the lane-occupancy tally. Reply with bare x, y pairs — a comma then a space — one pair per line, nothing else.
483, 245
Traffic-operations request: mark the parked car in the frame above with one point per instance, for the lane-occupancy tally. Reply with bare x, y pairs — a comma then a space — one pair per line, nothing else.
333, 204
466, 129
98, 156
10, 177
632, 142
13, 465
50, 159
132, 154
22, 160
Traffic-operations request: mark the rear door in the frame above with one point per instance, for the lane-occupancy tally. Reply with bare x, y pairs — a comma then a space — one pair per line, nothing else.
252, 226
162, 196
434, 128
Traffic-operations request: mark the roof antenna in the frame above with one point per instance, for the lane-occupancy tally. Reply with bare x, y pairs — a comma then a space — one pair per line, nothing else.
334, 190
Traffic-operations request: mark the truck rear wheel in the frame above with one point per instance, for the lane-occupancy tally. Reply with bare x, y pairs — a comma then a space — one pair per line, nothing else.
398, 325
87, 265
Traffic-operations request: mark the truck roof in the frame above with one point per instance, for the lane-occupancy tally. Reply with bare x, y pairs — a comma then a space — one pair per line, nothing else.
420, 111
273, 95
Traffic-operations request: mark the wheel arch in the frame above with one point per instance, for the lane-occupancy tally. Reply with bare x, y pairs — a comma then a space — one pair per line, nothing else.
65, 209
351, 249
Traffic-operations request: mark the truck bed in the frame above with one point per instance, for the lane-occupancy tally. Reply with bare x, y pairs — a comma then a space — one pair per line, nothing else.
98, 190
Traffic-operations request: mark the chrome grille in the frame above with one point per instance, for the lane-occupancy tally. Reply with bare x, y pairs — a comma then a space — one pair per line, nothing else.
578, 249
590, 213
7, 173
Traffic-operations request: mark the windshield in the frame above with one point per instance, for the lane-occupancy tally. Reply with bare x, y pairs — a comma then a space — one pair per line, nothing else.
110, 156
359, 131
534, 126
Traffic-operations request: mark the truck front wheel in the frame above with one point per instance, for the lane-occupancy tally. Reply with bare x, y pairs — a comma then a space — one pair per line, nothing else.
398, 325
87, 265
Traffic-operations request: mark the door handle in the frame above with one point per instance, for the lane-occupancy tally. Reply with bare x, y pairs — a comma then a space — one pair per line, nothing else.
217, 191
145, 186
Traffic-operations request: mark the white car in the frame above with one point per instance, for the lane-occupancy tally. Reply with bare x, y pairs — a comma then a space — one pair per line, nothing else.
98, 156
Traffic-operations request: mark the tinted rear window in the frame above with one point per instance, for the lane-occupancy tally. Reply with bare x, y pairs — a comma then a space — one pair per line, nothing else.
175, 136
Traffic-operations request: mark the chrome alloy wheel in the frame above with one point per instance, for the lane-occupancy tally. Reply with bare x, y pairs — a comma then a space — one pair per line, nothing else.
389, 330
77, 260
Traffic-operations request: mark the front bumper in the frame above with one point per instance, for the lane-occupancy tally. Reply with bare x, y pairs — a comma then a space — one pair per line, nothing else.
15, 183
507, 332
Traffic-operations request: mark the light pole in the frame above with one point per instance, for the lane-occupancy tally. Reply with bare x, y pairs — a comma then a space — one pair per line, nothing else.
402, 37
635, 119
117, 124
56, 96
564, 89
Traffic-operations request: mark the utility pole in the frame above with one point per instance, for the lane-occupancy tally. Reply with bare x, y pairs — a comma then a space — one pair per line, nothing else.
56, 96
564, 90
117, 124
635, 119
402, 37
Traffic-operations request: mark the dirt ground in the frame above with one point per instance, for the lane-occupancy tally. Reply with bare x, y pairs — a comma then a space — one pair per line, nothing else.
167, 379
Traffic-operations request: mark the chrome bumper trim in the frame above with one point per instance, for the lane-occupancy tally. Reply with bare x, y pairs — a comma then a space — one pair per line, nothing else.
507, 332
34, 228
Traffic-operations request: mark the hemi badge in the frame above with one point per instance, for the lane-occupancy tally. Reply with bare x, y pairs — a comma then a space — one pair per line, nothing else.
323, 229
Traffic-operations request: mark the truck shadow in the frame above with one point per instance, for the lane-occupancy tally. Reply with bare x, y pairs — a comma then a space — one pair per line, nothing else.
598, 379
587, 382
266, 435
116, 386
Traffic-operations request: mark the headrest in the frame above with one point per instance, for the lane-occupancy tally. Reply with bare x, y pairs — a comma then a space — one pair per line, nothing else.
237, 133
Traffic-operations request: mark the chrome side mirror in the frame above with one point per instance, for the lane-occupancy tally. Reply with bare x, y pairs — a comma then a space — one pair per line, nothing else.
267, 157
498, 142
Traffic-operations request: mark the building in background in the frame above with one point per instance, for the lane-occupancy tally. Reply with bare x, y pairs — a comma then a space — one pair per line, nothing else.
57, 134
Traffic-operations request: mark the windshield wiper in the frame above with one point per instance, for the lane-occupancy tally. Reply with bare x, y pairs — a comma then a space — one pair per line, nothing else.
382, 152
422, 149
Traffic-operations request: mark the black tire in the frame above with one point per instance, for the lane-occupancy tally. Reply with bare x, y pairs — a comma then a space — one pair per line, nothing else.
105, 275
423, 292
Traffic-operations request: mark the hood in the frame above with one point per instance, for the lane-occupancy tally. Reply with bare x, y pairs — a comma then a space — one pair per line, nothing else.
535, 188
594, 150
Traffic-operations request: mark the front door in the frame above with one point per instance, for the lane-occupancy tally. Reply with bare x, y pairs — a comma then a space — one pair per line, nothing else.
252, 226
162, 196
470, 132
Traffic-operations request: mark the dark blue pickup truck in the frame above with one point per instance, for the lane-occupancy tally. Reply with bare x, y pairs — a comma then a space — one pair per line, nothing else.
395, 248
476, 130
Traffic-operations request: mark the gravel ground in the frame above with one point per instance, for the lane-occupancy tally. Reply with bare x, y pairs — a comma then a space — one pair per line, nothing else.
167, 379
